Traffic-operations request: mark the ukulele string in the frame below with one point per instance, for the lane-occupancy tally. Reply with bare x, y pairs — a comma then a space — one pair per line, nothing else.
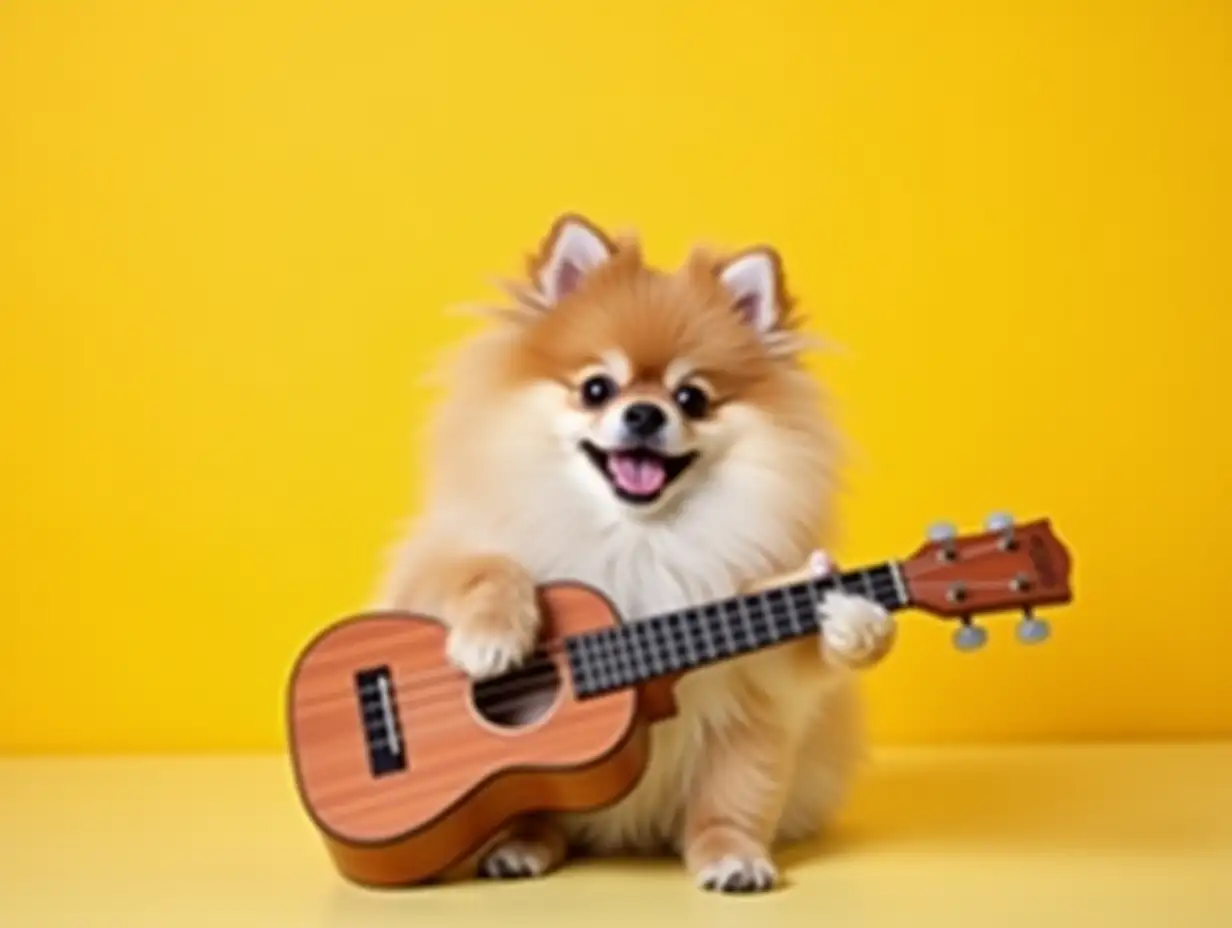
532, 681
551, 647
540, 658
545, 650
539, 668
531, 678
450, 675
443, 681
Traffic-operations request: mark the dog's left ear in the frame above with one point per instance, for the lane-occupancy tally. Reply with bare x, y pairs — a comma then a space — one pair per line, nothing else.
572, 249
754, 279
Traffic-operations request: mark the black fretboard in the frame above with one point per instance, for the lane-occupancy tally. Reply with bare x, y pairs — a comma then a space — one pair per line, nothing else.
635, 652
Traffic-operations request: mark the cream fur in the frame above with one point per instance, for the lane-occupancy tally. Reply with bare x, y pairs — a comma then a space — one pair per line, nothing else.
508, 483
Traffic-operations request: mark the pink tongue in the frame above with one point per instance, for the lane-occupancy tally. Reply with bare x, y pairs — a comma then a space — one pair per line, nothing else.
640, 476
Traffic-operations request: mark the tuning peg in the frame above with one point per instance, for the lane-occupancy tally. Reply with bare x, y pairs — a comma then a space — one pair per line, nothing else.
1032, 629
970, 637
943, 534
942, 531
999, 522
1003, 523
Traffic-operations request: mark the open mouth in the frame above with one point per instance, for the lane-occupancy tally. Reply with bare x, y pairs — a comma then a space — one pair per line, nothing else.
638, 475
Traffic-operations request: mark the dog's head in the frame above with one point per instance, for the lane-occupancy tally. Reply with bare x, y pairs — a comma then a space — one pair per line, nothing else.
645, 390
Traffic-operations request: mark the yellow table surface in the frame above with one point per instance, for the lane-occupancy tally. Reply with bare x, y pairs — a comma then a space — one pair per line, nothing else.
1090, 835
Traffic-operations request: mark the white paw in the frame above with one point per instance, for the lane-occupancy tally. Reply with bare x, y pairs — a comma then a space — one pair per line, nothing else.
496, 632
734, 874
516, 859
480, 656
854, 629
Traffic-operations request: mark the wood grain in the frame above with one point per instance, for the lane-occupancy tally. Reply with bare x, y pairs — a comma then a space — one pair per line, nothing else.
985, 573
465, 778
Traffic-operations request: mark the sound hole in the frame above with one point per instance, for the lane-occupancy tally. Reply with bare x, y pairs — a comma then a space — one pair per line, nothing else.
520, 697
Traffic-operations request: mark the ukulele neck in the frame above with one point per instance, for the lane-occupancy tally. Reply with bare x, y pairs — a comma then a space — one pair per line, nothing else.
666, 645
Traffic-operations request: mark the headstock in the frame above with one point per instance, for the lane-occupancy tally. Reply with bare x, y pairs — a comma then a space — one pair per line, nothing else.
1008, 566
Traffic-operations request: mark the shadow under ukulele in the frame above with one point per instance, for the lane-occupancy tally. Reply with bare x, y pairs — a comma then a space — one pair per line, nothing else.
407, 767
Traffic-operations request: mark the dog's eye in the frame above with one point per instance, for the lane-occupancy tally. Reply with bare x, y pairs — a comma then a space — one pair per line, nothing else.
692, 401
598, 389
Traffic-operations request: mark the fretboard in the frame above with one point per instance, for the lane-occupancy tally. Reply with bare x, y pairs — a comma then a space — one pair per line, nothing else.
635, 652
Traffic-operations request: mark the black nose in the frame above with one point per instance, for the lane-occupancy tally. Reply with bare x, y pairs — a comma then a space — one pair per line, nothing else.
644, 419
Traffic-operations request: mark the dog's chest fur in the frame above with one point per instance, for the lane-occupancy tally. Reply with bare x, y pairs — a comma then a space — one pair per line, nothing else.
645, 570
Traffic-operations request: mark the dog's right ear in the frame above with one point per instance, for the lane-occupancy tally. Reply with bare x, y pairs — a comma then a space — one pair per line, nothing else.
573, 248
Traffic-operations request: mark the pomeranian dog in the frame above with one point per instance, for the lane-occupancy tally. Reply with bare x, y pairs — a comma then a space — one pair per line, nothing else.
652, 434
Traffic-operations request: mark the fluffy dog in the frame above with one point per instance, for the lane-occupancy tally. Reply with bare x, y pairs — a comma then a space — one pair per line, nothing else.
654, 435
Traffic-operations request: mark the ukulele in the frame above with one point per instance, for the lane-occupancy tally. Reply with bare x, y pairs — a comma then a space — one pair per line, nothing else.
407, 767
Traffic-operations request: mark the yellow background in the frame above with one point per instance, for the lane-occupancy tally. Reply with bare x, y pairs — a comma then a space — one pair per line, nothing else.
229, 234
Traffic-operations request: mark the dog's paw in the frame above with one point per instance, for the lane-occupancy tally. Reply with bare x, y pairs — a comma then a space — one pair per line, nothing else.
517, 859
724, 858
738, 874
494, 626
856, 632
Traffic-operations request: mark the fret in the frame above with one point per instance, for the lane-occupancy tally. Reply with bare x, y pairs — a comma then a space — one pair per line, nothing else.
771, 620
713, 613
710, 650
680, 636
628, 653
650, 641
670, 649
695, 636
807, 604
640, 653
868, 586
789, 621
743, 611
651, 637
670, 654
590, 661
578, 650
696, 630
814, 600
642, 634
620, 658
658, 643
603, 661
622, 654
690, 651
634, 654
793, 616
612, 655
670, 643
611, 660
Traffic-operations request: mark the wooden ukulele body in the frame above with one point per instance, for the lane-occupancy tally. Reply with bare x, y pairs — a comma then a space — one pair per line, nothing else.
406, 814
